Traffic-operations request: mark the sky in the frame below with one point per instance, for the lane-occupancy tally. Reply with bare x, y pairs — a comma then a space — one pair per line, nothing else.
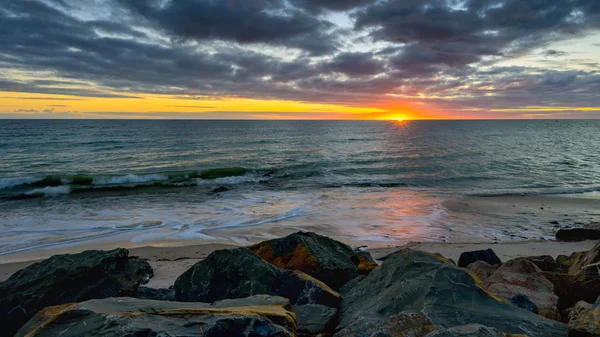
300, 59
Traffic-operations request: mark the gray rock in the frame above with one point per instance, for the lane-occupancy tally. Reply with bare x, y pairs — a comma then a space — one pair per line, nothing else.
157, 294
471, 330
315, 319
487, 256
239, 273
116, 317
412, 281
597, 303
523, 277
68, 278
323, 258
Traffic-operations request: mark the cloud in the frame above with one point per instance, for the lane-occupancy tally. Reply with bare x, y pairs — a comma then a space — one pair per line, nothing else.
354, 64
242, 21
441, 52
553, 52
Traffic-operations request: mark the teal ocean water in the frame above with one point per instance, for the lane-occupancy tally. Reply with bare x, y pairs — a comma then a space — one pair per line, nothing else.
145, 182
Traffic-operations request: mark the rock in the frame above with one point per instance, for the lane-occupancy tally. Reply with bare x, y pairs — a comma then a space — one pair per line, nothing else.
523, 302
587, 262
348, 286
157, 294
579, 309
522, 277
325, 259
402, 324
544, 262
597, 303
116, 317
571, 289
220, 189
587, 325
471, 330
487, 255
68, 278
418, 282
482, 270
578, 234
580, 281
315, 319
365, 262
238, 273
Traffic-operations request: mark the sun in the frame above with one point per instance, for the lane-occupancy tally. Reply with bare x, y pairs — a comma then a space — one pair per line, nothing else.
400, 120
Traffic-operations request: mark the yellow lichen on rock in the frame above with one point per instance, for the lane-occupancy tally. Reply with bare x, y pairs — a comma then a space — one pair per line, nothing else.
365, 266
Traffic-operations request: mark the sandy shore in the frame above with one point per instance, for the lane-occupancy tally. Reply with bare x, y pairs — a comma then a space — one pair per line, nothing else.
170, 262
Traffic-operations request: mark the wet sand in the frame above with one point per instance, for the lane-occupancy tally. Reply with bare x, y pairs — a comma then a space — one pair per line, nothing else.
512, 226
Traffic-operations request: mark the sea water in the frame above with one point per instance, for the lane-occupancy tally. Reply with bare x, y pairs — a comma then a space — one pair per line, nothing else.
143, 182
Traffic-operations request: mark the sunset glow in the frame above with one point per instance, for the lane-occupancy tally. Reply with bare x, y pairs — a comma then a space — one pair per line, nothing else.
299, 60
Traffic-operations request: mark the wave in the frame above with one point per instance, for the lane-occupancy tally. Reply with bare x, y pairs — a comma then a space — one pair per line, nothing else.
14, 182
56, 185
542, 191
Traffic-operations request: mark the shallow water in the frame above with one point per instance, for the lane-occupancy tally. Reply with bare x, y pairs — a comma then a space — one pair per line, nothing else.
145, 182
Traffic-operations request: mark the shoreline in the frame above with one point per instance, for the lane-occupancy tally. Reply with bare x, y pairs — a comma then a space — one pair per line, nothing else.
170, 262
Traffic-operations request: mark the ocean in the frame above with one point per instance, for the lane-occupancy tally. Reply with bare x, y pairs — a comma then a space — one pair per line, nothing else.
142, 182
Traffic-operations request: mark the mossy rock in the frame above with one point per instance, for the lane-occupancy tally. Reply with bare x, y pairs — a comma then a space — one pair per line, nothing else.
328, 260
239, 273
417, 282
115, 317
68, 278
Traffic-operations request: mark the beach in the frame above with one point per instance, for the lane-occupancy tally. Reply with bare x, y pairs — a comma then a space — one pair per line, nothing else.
170, 262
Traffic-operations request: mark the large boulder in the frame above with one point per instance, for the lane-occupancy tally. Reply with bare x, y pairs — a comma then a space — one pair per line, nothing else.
487, 256
68, 278
586, 262
470, 330
580, 280
571, 289
580, 309
323, 258
578, 234
523, 277
116, 317
418, 282
482, 270
239, 273
545, 262
587, 325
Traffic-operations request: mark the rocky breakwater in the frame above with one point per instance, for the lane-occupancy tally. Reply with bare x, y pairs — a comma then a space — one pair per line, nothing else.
68, 278
308, 285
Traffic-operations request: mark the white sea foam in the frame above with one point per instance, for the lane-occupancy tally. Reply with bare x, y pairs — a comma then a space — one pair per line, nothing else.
129, 179
51, 191
230, 180
14, 182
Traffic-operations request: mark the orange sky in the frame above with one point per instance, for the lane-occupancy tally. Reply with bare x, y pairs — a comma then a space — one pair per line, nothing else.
163, 106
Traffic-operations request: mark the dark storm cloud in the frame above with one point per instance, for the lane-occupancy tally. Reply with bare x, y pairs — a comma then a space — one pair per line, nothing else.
241, 21
454, 34
354, 64
334, 5
272, 49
